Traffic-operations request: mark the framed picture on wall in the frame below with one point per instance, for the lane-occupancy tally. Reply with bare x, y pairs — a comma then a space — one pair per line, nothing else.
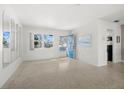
85, 40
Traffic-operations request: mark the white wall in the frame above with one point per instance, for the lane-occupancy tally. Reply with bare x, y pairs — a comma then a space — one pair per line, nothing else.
6, 72
87, 54
96, 54
122, 44
42, 53
102, 27
1, 37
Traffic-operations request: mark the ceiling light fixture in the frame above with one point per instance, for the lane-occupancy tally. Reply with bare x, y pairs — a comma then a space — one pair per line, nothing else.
77, 4
116, 21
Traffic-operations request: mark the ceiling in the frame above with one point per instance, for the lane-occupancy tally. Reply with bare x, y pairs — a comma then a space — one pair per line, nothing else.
65, 16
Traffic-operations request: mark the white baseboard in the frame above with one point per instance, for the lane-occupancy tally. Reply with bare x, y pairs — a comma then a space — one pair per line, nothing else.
100, 65
45, 59
122, 61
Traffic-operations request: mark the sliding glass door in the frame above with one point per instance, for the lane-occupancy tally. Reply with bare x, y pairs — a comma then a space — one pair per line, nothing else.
71, 46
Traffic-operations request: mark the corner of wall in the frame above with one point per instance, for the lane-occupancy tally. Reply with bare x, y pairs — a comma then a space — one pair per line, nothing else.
5, 73
100, 65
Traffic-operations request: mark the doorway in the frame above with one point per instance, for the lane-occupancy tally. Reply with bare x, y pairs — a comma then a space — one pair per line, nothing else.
71, 46
110, 46
110, 49
67, 44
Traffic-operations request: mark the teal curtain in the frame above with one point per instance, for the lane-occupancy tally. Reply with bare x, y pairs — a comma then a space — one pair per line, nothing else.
70, 46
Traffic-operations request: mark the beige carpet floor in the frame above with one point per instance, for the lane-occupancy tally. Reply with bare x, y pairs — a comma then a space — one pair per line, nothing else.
64, 73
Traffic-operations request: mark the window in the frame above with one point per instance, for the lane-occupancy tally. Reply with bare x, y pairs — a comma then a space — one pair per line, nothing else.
48, 41
63, 43
37, 41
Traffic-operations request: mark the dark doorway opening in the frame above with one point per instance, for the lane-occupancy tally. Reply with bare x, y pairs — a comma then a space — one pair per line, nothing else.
110, 52
109, 49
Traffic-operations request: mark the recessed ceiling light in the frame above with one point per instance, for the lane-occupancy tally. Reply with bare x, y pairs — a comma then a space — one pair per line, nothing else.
77, 4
